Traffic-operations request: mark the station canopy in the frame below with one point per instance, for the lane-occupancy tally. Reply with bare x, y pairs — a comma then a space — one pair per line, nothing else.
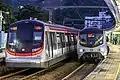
82, 13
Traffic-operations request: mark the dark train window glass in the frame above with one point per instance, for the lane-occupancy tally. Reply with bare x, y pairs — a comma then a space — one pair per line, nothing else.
59, 42
37, 36
53, 40
12, 37
72, 39
91, 40
75, 39
12, 40
63, 39
28, 30
67, 39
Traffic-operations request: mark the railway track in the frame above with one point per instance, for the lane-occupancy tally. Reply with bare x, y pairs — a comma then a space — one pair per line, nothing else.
13, 74
32, 73
84, 70
43, 71
81, 72
27, 73
23, 74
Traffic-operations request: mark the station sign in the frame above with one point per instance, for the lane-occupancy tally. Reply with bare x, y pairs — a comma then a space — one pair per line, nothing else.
103, 21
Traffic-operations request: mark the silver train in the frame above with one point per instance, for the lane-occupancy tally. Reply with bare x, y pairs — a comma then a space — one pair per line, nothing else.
92, 45
33, 43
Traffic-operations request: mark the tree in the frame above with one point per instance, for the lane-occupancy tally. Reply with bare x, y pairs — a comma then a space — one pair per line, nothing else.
28, 11
7, 18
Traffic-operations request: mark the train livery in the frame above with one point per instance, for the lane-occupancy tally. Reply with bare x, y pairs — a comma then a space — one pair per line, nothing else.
92, 45
33, 43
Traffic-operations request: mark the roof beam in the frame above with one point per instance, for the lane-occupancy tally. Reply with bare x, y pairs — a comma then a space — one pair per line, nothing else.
62, 7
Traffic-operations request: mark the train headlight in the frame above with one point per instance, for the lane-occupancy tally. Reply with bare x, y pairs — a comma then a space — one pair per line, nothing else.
33, 50
101, 42
81, 50
12, 50
102, 49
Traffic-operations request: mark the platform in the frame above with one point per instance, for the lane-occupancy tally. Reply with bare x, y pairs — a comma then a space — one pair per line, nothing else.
109, 69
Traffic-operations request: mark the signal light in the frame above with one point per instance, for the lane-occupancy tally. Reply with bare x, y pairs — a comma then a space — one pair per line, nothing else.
38, 28
14, 28
91, 35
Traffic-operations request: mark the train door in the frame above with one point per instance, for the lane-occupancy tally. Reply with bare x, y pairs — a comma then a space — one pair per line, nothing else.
59, 44
51, 44
47, 45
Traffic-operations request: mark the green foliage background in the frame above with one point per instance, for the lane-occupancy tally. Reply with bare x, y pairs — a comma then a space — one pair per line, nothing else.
16, 14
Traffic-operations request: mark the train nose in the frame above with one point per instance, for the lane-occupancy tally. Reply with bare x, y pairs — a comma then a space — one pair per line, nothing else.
92, 57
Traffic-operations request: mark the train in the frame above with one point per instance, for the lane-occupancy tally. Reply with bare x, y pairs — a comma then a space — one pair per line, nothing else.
92, 45
34, 43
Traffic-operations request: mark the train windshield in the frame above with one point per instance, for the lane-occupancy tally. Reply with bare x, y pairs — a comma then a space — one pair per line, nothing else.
25, 38
91, 39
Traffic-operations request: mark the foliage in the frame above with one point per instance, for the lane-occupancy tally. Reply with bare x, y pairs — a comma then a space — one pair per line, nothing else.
22, 13
7, 18
28, 11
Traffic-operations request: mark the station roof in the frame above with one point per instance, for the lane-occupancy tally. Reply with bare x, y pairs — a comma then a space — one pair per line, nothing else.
76, 10
73, 10
56, 3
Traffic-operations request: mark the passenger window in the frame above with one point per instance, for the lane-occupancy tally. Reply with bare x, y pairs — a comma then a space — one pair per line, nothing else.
75, 39
59, 42
63, 39
53, 40
66, 39
37, 36
69, 39
72, 39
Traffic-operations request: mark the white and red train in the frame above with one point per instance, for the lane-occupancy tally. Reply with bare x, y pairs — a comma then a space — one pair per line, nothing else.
33, 43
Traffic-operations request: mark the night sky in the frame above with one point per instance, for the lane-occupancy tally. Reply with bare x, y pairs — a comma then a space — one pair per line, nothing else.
16, 3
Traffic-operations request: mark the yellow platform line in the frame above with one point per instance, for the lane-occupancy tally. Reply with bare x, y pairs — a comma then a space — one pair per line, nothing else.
118, 70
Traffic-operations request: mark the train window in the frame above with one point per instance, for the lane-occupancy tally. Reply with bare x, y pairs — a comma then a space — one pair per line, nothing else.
12, 40
72, 39
75, 39
63, 39
37, 36
67, 39
12, 37
59, 42
53, 40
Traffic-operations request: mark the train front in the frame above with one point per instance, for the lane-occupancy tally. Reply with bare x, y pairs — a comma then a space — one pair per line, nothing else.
25, 44
92, 45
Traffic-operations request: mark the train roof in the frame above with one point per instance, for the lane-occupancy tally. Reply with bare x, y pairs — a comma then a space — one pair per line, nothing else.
87, 8
61, 26
17, 22
91, 30
46, 24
